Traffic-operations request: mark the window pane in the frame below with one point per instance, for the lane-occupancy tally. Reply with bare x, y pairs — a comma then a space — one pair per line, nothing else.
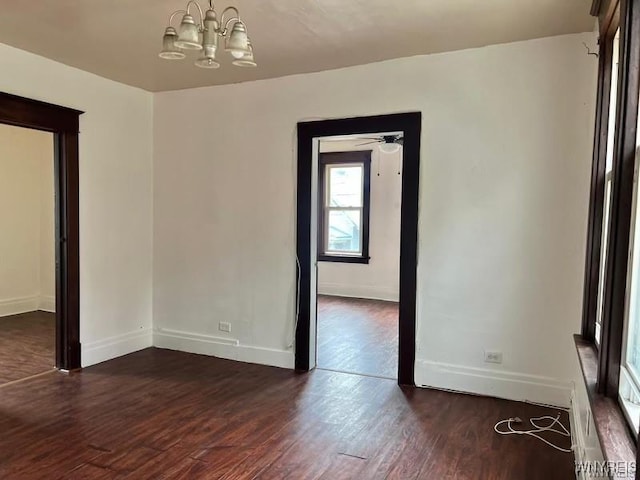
344, 232
345, 185
629, 388
633, 306
611, 131
603, 255
632, 346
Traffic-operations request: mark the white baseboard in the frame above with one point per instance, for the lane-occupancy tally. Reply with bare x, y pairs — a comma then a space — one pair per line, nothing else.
112, 347
47, 303
358, 291
221, 347
16, 306
493, 383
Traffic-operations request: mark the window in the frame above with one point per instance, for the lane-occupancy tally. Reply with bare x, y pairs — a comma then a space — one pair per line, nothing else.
611, 314
629, 389
343, 219
611, 131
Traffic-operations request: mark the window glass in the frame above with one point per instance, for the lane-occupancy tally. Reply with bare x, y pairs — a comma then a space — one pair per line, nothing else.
629, 386
345, 186
611, 131
344, 231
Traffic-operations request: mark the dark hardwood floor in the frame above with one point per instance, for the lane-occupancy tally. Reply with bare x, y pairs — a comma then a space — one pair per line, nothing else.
358, 336
27, 345
162, 414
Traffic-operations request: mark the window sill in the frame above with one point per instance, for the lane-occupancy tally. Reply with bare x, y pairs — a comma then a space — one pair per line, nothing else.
615, 437
343, 259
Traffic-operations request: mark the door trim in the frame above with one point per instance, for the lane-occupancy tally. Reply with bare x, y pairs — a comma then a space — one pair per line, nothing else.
63, 122
410, 124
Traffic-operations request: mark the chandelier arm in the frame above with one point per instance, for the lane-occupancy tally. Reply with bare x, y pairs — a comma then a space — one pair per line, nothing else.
193, 2
225, 24
174, 14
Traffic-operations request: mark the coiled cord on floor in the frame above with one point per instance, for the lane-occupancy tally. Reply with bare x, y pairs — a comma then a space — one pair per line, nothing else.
536, 430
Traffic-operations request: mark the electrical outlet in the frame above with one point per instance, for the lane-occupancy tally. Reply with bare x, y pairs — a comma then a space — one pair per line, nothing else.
224, 327
492, 356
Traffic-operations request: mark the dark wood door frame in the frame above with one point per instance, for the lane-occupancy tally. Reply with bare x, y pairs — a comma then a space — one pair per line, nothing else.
410, 125
63, 122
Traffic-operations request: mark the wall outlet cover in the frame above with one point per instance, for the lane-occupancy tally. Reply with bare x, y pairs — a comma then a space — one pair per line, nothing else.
492, 356
224, 327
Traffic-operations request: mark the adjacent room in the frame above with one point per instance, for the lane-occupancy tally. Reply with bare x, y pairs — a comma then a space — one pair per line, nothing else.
358, 221
319, 239
27, 265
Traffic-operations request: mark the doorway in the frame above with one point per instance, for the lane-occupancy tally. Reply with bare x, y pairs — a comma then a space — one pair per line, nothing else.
309, 235
27, 263
62, 124
359, 198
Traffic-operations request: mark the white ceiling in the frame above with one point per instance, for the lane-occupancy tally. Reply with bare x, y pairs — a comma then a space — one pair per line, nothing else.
120, 39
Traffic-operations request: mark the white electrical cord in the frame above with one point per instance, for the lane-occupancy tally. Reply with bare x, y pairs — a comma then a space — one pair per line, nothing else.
536, 430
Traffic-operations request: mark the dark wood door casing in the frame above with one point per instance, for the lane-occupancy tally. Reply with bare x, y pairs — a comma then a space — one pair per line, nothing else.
63, 122
410, 124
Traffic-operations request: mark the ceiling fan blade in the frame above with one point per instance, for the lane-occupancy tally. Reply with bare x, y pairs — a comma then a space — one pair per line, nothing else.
400, 140
368, 143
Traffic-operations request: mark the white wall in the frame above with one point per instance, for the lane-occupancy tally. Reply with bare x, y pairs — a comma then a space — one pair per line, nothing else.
115, 197
380, 278
505, 166
27, 261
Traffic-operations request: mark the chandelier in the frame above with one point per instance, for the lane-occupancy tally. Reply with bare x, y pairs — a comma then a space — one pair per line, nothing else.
207, 35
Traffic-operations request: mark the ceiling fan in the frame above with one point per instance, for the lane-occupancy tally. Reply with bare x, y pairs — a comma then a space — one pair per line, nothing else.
387, 143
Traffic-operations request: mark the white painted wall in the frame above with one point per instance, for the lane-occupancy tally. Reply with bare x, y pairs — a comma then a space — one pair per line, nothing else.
380, 278
27, 260
115, 197
506, 149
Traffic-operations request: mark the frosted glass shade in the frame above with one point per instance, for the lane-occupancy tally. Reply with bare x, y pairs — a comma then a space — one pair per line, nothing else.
189, 36
238, 44
247, 59
169, 49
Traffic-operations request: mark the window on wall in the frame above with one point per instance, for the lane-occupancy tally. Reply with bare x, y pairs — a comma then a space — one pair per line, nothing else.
611, 131
343, 219
629, 387
611, 316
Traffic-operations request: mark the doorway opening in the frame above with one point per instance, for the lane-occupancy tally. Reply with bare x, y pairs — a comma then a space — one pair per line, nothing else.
338, 232
27, 268
359, 198
55, 129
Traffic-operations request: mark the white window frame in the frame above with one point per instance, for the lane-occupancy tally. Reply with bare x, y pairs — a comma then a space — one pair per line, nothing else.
629, 387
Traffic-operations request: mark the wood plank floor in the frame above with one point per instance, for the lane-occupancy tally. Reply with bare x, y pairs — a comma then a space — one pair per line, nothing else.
27, 345
357, 335
162, 414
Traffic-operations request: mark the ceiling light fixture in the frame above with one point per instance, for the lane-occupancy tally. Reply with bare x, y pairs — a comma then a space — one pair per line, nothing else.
389, 148
227, 29
386, 143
